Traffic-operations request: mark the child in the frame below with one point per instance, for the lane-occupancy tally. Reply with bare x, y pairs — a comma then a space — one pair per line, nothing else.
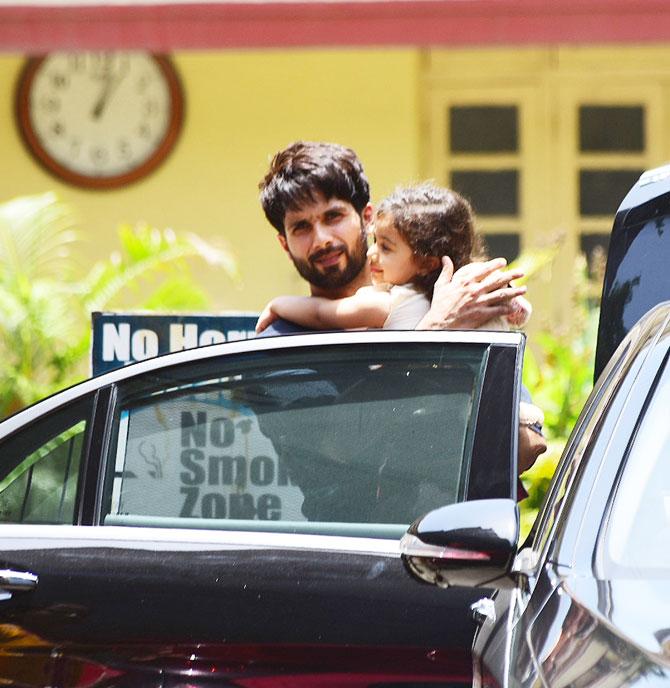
413, 229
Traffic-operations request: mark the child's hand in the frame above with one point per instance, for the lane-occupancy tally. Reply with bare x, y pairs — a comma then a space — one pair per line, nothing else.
267, 317
521, 312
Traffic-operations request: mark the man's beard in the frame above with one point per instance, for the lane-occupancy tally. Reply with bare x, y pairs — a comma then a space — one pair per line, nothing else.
333, 277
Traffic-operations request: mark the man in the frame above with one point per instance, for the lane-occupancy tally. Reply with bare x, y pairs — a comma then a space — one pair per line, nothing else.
317, 197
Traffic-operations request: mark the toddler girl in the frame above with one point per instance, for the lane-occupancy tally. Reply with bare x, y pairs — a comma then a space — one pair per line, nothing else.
413, 229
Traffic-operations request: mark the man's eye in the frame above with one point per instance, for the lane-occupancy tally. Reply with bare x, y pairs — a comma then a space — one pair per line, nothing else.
333, 216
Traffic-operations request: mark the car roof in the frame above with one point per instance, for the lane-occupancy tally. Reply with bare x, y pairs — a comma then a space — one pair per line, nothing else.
636, 275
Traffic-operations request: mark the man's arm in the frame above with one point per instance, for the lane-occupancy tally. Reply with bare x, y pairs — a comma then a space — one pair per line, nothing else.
471, 296
366, 308
281, 327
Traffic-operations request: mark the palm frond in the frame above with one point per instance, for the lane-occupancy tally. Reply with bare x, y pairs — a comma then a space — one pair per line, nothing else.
176, 294
36, 234
45, 306
146, 251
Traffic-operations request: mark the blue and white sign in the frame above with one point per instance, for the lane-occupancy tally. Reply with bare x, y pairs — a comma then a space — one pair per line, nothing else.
122, 338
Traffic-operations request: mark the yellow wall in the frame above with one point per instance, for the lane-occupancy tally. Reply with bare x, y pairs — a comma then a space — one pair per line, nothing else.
240, 108
389, 105
548, 85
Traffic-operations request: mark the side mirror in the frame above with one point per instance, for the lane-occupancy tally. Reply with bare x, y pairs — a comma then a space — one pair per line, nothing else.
469, 544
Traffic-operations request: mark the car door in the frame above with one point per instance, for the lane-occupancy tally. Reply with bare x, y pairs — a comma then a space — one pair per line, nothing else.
237, 511
541, 632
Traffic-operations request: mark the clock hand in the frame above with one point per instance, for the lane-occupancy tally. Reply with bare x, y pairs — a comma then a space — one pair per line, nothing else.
105, 77
111, 82
99, 107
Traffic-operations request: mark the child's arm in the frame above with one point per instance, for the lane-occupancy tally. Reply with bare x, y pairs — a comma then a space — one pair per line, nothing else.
366, 308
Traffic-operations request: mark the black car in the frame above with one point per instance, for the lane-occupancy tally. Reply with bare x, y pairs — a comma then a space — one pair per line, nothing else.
586, 600
231, 515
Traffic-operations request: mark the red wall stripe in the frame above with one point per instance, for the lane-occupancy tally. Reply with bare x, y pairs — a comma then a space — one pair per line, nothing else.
174, 25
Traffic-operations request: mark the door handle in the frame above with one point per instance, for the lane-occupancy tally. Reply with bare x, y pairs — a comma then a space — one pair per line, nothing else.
15, 581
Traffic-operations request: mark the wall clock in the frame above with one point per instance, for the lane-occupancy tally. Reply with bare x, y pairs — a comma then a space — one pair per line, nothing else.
99, 120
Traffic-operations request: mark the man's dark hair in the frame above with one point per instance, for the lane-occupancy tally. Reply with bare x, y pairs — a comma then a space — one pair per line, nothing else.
305, 169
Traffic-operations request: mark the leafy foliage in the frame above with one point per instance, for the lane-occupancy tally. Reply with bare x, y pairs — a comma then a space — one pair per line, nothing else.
558, 371
45, 301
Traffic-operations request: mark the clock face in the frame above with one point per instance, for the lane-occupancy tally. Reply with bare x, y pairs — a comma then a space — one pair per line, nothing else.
99, 120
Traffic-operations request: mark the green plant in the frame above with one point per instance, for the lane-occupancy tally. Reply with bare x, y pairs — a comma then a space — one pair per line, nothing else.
46, 298
558, 372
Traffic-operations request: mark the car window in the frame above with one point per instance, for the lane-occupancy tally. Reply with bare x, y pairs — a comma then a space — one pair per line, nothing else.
638, 255
356, 440
598, 410
638, 530
40, 468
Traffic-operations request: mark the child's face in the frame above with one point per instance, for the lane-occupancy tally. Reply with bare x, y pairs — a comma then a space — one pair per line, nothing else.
391, 259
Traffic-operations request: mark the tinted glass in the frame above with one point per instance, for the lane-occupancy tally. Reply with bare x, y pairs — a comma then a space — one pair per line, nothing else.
483, 129
601, 191
637, 279
42, 488
638, 531
490, 192
605, 128
345, 436
592, 431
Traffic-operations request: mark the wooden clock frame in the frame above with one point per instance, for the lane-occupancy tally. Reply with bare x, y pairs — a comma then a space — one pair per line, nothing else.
32, 141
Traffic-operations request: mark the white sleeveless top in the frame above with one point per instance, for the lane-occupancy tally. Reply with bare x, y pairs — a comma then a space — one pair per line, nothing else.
408, 305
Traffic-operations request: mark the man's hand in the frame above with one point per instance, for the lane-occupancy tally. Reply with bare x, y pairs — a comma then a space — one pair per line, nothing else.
472, 296
531, 444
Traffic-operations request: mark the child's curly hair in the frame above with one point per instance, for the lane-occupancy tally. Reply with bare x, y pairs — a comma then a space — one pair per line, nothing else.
435, 222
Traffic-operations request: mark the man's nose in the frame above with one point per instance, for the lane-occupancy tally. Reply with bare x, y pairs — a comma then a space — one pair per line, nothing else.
322, 234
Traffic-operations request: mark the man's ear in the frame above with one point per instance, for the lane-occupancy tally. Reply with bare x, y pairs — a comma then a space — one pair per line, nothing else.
282, 241
367, 214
